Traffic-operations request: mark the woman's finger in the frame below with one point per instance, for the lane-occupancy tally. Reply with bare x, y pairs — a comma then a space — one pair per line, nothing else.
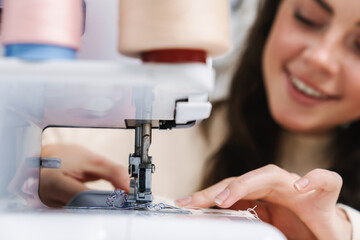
55, 186
204, 198
326, 184
257, 184
322, 187
117, 175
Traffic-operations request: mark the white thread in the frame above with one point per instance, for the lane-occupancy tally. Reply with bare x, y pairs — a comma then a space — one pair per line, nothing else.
254, 213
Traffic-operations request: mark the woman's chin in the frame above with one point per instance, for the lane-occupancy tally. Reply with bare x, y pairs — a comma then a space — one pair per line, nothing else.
298, 128
299, 125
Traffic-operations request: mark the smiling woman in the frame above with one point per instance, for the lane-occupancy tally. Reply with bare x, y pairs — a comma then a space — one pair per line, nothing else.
312, 83
296, 87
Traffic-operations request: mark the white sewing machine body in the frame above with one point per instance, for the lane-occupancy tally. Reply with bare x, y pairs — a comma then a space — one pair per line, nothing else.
102, 93
111, 224
92, 94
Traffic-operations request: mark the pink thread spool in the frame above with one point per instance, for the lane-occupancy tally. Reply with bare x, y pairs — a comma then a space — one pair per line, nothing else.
174, 31
35, 24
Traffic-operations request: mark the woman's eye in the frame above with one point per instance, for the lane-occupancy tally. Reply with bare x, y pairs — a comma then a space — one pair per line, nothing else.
304, 20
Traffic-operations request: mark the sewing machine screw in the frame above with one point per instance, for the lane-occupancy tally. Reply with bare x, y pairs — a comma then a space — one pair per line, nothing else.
50, 162
36, 162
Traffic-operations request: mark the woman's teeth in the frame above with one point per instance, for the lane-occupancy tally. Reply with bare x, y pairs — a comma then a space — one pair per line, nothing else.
302, 87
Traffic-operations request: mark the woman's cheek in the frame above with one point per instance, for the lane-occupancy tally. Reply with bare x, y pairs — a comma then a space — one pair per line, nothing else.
351, 86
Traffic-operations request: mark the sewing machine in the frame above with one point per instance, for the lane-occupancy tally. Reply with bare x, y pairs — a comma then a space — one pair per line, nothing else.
103, 92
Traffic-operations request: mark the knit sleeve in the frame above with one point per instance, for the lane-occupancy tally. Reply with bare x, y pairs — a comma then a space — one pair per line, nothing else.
354, 217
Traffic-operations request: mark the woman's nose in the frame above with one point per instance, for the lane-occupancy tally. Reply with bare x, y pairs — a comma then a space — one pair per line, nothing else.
323, 56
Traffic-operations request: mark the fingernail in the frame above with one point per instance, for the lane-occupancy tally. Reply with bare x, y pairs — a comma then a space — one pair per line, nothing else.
183, 201
301, 183
219, 199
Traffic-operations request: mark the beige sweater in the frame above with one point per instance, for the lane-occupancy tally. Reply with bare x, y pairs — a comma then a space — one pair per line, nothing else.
354, 217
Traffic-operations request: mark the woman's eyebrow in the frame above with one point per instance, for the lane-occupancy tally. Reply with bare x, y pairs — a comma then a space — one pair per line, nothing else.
325, 6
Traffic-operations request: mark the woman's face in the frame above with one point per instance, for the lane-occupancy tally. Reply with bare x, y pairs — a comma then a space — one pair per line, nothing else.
311, 64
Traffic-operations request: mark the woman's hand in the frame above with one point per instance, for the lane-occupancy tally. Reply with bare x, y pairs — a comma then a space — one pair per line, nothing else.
302, 208
78, 165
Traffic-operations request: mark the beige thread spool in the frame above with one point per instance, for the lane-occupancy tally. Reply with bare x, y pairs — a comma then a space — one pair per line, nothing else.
155, 25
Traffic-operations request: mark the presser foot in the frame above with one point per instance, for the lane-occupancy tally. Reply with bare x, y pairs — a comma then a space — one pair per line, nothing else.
140, 186
141, 167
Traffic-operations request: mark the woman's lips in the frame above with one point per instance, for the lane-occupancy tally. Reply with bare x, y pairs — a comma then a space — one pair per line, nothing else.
306, 89
305, 94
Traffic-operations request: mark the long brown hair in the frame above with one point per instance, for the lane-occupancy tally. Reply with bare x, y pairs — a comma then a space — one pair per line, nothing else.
253, 139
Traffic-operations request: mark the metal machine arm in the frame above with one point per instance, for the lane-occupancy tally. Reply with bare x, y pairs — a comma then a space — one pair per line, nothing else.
140, 166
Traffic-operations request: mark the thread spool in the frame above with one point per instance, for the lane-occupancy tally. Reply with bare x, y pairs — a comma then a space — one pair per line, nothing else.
42, 29
174, 31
